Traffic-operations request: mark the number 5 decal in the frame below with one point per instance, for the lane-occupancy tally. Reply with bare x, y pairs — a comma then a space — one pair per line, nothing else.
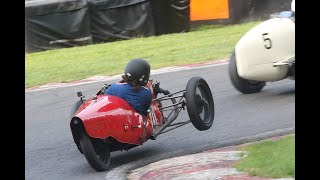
267, 41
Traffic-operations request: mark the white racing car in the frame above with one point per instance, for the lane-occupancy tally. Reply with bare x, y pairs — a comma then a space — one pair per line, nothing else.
266, 53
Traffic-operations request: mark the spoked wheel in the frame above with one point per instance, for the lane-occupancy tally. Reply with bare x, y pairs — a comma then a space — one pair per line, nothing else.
97, 156
200, 105
243, 85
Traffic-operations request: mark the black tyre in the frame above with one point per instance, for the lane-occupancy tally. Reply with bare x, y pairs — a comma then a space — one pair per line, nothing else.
75, 108
199, 102
243, 85
97, 156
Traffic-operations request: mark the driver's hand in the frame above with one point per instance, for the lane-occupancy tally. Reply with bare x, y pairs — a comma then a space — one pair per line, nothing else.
165, 92
157, 89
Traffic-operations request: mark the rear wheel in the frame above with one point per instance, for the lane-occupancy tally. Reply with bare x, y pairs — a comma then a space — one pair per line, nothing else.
199, 102
243, 85
97, 156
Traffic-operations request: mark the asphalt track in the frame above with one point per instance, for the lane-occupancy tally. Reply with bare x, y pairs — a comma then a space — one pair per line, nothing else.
50, 152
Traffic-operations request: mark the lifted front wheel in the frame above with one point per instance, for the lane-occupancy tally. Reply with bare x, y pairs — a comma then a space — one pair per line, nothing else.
199, 102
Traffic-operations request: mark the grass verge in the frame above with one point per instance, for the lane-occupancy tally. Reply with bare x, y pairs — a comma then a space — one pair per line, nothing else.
270, 159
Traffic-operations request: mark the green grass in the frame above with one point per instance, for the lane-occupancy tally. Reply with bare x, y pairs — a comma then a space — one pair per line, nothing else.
270, 159
202, 44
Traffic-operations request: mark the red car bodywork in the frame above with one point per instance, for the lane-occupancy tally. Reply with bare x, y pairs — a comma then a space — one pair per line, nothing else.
110, 116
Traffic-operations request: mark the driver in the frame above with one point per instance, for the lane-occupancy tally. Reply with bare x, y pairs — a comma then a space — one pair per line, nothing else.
132, 88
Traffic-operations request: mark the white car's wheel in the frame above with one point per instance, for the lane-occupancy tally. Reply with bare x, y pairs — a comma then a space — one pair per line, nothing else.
243, 85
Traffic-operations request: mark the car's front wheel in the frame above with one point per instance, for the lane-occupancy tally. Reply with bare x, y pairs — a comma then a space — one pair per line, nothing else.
199, 102
243, 85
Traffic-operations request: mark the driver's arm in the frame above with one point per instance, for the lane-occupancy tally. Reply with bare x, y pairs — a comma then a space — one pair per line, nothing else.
148, 100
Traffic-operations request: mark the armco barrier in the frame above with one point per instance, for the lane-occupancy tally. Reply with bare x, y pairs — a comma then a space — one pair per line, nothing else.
113, 20
52, 24
171, 16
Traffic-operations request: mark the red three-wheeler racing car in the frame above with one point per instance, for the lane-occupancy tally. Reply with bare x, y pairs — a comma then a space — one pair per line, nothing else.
105, 123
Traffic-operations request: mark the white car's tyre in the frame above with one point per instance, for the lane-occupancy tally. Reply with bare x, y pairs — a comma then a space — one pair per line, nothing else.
243, 85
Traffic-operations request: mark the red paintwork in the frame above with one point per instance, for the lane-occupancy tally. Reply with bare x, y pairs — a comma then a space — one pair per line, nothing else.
112, 116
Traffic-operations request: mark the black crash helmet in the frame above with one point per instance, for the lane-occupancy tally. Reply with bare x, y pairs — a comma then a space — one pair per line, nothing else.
138, 70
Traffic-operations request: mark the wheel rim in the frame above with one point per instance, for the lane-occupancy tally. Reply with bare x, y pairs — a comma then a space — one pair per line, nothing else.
202, 100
